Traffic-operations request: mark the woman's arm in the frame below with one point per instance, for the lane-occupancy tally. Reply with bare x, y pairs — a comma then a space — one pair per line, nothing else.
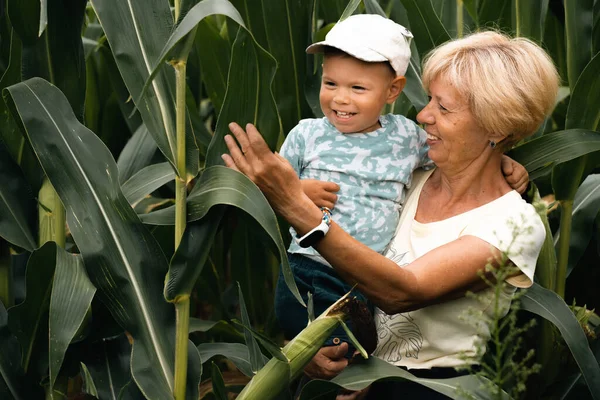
446, 272
443, 273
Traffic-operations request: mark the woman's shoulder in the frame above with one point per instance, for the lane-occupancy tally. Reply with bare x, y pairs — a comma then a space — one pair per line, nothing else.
514, 227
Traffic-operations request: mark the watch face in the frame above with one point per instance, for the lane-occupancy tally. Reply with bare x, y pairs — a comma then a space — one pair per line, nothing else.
311, 239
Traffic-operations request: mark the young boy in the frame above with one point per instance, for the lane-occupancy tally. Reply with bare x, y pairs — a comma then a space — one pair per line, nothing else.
354, 151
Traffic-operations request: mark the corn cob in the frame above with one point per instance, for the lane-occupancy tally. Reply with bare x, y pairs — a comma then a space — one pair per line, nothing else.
276, 374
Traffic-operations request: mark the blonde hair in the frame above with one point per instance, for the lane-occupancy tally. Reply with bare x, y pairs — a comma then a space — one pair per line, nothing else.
509, 83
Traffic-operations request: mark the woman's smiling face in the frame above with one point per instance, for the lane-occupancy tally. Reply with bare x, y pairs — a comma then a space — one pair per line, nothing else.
453, 134
354, 92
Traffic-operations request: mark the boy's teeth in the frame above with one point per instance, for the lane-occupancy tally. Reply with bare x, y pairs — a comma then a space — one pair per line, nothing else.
431, 137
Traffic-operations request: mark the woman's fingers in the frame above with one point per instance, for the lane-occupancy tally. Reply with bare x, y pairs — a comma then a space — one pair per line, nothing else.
256, 141
236, 156
229, 163
328, 362
241, 136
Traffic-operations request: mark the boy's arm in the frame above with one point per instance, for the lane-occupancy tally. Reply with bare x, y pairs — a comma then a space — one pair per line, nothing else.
515, 174
321, 193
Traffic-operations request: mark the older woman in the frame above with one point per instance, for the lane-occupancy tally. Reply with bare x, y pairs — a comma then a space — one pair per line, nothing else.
486, 92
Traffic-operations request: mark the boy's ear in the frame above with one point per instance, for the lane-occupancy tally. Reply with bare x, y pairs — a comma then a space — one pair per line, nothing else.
396, 88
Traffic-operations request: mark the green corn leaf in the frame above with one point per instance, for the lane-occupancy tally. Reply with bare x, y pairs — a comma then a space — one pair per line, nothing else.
578, 25
583, 112
218, 385
268, 344
122, 258
425, 25
256, 359
331, 11
17, 205
584, 106
529, 18
550, 306
130, 392
9, 132
237, 353
360, 375
586, 207
354, 341
107, 362
25, 17
186, 27
213, 52
286, 41
13, 384
555, 148
146, 181
129, 111
72, 294
89, 387
545, 270
221, 185
350, 8
249, 98
43, 16
191, 254
373, 7
29, 320
137, 30
57, 55
136, 154
596, 31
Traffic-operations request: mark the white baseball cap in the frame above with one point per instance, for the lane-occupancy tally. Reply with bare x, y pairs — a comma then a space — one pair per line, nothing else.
371, 38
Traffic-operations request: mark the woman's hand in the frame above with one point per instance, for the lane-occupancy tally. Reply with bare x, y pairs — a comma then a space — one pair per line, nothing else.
320, 192
273, 174
515, 174
328, 362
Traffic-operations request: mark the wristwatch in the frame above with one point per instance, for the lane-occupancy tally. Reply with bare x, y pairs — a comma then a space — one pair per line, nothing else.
316, 234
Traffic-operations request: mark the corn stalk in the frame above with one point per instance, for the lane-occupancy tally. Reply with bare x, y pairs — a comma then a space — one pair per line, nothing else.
182, 303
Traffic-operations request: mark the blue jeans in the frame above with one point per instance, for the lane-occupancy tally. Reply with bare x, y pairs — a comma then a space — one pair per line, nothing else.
326, 288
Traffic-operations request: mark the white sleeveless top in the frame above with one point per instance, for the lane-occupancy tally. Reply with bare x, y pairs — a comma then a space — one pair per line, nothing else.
440, 335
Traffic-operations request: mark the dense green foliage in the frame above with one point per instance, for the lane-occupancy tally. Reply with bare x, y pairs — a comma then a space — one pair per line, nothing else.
116, 214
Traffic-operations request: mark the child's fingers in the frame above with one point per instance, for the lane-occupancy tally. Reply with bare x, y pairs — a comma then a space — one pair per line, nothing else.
507, 166
330, 197
331, 186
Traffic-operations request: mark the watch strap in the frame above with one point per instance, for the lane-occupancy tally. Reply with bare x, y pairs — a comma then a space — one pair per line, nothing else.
318, 232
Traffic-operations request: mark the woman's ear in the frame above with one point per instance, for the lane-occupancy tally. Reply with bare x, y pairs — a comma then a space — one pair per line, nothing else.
498, 139
396, 87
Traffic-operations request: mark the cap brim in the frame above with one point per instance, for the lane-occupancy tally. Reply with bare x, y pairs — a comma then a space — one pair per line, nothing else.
357, 51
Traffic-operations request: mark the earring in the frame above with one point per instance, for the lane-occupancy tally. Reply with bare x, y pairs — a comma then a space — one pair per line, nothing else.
492, 144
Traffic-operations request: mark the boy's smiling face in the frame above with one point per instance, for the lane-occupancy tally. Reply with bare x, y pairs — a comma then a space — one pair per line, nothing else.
353, 92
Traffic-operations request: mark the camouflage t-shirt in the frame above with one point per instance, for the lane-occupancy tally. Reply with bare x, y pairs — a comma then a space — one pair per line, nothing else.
373, 169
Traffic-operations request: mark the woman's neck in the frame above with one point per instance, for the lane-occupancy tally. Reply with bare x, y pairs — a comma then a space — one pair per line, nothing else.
452, 191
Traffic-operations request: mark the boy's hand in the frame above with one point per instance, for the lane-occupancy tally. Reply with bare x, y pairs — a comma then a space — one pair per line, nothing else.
515, 174
320, 192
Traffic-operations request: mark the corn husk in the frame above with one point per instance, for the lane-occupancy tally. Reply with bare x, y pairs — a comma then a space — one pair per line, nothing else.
276, 375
